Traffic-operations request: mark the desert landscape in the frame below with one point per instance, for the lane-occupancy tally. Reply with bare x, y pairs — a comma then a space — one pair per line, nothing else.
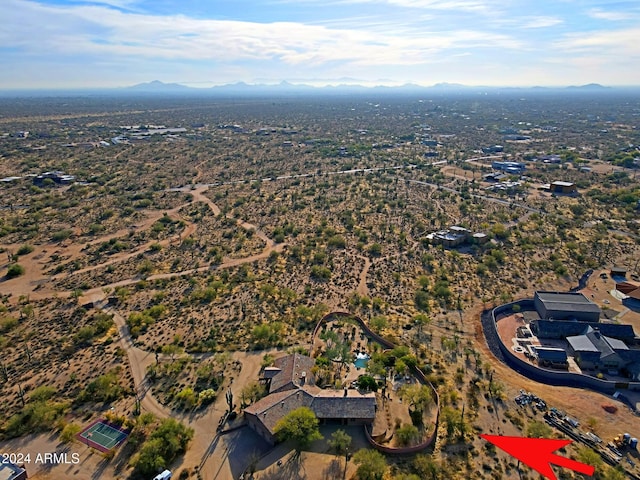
156, 287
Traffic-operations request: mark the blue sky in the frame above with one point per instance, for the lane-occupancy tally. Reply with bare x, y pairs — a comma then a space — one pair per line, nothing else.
106, 43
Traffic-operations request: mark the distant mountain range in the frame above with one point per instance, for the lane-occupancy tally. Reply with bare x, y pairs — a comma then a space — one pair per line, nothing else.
284, 87
242, 89
158, 86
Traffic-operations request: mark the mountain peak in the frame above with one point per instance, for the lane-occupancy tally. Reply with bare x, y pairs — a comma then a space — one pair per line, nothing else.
589, 86
157, 85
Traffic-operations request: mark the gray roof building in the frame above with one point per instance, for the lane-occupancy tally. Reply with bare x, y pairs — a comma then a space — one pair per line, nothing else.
552, 357
568, 328
594, 350
565, 306
9, 471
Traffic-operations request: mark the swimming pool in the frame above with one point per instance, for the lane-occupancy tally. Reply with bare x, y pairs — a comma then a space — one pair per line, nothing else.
361, 360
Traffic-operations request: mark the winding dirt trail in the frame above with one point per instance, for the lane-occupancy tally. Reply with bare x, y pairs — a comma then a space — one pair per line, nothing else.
202, 451
363, 289
37, 286
139, 361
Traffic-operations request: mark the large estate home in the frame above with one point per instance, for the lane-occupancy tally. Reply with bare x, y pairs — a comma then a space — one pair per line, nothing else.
595, 345
290, 383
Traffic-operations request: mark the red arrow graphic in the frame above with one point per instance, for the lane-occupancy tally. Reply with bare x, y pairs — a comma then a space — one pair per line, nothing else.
538, 454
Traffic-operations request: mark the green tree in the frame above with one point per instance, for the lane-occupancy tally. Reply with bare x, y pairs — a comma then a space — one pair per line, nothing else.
407, 434
39, 413
252, 392
300, 426
421, 320
426, 467
172, 350
416, 395
421, 300
378, 323
375, 250
454, 423
105, 388
166, 443
371, 464
340, 442
367, 382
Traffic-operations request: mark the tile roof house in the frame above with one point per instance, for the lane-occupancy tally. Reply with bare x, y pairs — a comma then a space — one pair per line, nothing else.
290, 372
289, 390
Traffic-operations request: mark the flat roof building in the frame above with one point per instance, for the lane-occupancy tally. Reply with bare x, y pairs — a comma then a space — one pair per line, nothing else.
563, 187
551, 357
566, 328
9, 471
566, 306
618, 271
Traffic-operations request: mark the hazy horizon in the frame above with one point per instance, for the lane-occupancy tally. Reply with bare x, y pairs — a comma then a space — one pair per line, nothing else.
287, 87
89, 44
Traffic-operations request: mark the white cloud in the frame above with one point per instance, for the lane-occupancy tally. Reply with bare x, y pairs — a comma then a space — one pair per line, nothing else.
541, 22
97, 30
619, 44
612, 15
484, 6
420, 41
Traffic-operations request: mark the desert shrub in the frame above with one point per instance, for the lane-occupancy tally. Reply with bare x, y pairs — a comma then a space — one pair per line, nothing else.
186, 398
167, 442
61, 235
42, 394
39, 414
207, 396
138, 322
69, 432
15, 270
24, 250
7, 324
320, 273
105, 388
407, 434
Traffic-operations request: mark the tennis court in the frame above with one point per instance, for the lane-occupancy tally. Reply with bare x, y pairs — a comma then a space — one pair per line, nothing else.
102, 435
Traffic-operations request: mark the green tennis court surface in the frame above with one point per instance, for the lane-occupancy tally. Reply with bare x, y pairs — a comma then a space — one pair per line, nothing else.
102, 435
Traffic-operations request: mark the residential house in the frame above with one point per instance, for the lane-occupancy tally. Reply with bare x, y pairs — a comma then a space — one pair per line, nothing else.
563, 187
593, 350
289, 390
